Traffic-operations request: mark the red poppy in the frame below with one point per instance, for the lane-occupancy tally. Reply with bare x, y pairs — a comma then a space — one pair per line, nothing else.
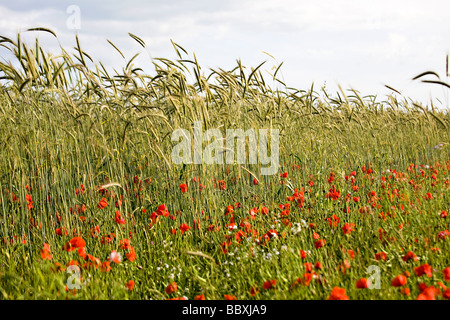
409, 255
319, 243
362, 283
380, 256
308, 266
338, 294
446, 273
405, 291
303, 254
94, 231
305, 279
130, 285
253, 291
184, 227
115, 257
229, 297
446, 294
399, 281
183, 187
171, 288
102, 204
30, 201
105, 267
443, 234
222, 185
424, 269
131, 255
118, 218
333, 220
348, 227
74, 243
61, 231
428, 293
45, 253
269, 284
199, 297
162, 210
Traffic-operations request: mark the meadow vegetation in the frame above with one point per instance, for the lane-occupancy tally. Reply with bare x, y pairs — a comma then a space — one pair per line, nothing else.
86, 179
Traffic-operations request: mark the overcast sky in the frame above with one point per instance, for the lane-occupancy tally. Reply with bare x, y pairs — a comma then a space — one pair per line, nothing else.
358, 44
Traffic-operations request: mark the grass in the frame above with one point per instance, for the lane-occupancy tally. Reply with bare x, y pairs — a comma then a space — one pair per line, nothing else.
73, 134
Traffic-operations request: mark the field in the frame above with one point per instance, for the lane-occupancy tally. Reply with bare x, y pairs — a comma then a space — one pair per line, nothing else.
92, 205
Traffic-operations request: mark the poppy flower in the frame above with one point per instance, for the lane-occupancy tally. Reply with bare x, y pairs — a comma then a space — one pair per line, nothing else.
29, 201
269, 284
184, 227
345, 265
115, 257
406, 291
171, 288
45, 253
118, 218
424, 269
338, 294
446, 294
362, 283
305, 279
303, 254
446, 273
380, 256
131, 255
162, 210
199, 297
183, 187
308, 266
102, 204
94, 231
130, 285
74, 243
428, 293
82, 252
409, 255
61, 231
351, 253
443, 234
222, 185
319, 243
105, 267
253, 291
56, 267
399, 281
348, 228
229, 297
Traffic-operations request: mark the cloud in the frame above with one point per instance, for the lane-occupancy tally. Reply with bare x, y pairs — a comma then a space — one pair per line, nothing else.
352, 42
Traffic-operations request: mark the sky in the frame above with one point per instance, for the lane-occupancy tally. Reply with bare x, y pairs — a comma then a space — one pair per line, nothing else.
360, 45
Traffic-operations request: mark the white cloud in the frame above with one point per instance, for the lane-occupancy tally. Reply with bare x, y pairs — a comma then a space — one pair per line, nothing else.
359, 43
